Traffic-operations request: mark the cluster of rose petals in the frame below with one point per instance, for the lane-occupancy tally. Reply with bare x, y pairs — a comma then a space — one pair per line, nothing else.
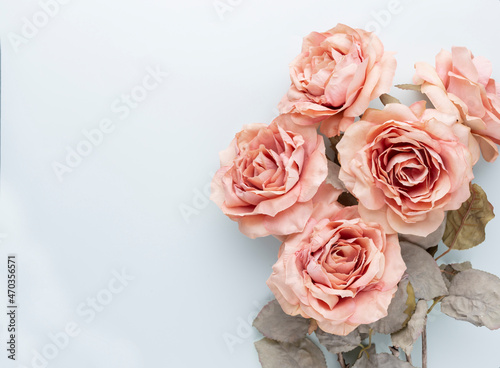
406, 166
461, 85
268, 176
340, 271
336, 76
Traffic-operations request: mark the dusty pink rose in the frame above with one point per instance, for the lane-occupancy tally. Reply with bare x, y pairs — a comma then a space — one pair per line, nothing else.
406, 166
268, 176
336, 76
341, 270
461, 85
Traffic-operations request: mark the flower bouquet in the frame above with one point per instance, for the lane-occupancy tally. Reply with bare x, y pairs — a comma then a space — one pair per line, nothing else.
360, 217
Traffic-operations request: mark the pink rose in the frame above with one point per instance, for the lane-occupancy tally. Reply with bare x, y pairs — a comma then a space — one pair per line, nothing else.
336, 76
268, 176
341, 270
461, 85
406, 166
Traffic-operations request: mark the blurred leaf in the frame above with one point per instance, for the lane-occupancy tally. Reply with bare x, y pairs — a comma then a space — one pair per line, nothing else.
302, 354
383, 360
347, 199
408, 335
333, 144
333, 176
339, 344
428, 241
423, 271
411, 87
387, 99
465, 227
275, 324
475, 298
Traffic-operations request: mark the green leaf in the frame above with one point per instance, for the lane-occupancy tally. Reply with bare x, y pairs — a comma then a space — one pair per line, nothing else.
275, 324
303, 354
475, 298
387, 99
339, 344
411, 87
465, 227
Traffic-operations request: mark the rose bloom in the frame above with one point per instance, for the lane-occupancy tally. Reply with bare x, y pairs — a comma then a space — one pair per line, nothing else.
336, 76
341, 270
461, 85
406, 166
268, 176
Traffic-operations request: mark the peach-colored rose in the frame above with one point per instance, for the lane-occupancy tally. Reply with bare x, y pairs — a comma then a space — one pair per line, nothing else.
336, 76
341, 270
461, 85
268, 176
406, 166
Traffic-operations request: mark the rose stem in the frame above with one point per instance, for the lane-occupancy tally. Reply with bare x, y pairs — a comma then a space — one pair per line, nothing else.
424, 346
341, 360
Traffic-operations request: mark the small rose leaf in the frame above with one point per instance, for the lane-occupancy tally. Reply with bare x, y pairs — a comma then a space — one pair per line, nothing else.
387, 99
302, 354
465, 227
333, 176
475, 298
275, 324
410, 87
339, 344
408, 335
423, 271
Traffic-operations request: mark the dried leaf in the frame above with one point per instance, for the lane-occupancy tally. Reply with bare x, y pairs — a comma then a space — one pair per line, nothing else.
449, 271
475, 298
407, 336
383, 360
465, 227
399, 312
339, 344
428, 241
423, 271
303, 354
275, 324
411, 87
347, 199
333, 144
387, 99
432, 250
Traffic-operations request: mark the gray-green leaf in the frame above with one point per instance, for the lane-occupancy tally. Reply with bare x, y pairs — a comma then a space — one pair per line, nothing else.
275, 324
303, 354
428, 241
465, 227
423, 271
408, 335
449, 271
339, 344
475, 298
383, 360
397, 314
